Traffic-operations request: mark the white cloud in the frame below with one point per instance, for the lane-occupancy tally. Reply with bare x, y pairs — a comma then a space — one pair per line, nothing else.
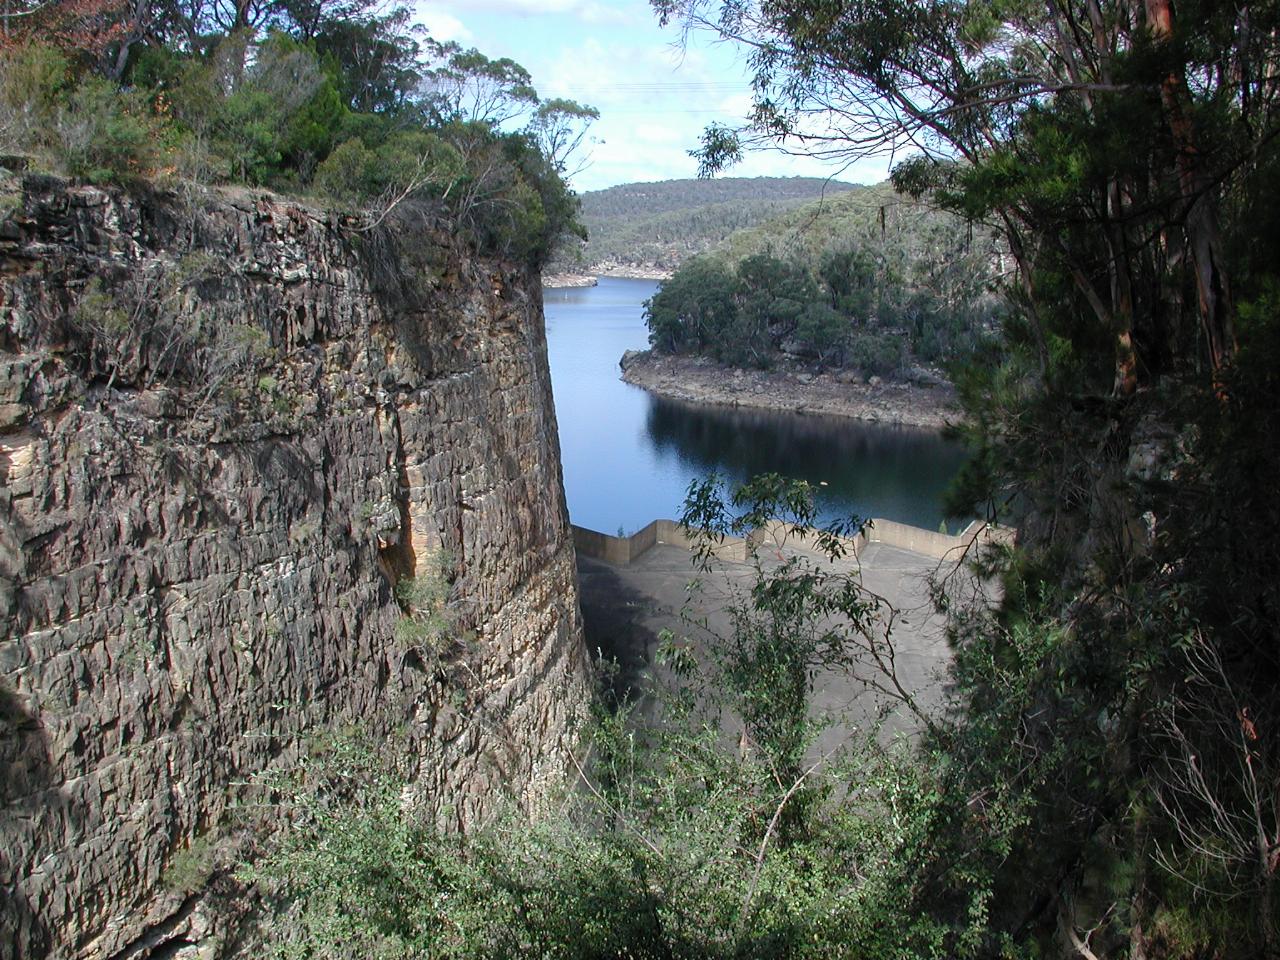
442, 25
589, 11
655, 98
655, 133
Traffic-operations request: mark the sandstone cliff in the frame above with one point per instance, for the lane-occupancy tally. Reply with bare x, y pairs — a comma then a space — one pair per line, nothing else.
228, 425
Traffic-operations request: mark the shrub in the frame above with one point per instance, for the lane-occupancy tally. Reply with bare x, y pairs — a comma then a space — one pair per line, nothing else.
691, 309
409, 164
32, 82
431, 626
190, 869
823, 328
349, 174
106, 136
881, 354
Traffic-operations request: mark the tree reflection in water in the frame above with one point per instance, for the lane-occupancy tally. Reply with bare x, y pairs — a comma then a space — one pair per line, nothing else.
869, 469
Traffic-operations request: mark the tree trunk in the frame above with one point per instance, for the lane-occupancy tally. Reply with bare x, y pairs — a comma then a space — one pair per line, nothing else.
1204, 239
1122, 306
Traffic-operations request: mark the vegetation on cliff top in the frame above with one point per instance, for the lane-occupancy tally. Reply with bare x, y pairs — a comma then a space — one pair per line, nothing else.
349, 102
1106, 780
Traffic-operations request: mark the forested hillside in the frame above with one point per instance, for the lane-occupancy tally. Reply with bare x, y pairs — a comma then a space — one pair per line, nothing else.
868, 279
636, 200
659, 225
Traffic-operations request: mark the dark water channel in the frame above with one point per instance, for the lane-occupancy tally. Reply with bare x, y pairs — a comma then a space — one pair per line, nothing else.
629, 457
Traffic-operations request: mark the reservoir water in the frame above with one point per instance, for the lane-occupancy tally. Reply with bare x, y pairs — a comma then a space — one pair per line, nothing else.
629, 457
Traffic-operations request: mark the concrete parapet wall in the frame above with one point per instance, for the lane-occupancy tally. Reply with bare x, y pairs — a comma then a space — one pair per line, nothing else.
622, 551
601, 546
780, 533
730, 548
930, 543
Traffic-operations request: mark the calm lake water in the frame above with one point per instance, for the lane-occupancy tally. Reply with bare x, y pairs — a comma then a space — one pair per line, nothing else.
629, 457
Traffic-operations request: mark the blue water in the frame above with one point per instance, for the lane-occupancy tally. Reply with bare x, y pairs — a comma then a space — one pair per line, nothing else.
629, 457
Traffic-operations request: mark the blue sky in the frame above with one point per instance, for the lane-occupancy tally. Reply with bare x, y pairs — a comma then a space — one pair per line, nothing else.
654, 98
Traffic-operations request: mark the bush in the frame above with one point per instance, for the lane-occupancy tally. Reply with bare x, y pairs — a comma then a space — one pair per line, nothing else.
690, 310
822, 328
349, 174
106, 136
881, 354
32, 82
408, 165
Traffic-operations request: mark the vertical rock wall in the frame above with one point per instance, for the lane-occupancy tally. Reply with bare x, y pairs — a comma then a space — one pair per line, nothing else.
228, 424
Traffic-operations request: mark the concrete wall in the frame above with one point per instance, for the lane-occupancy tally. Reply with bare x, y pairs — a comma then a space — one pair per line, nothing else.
930, 543
622, 551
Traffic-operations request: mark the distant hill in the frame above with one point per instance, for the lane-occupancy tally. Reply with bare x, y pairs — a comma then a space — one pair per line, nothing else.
664, 196
866, 279
654, 227
920, 245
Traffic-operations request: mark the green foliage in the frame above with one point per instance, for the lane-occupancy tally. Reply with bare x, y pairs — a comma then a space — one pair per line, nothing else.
350, 174
559, 126
350, 102
105, 136
817, 281
799, 616
190, 868
540, 207
471, 88
33, 80
427, 625
407, 163
1099, 781
376, 59
97, 310
697, 308
876, 353
677, 843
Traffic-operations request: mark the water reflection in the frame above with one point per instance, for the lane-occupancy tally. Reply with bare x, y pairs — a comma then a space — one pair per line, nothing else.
629, 457
868, 469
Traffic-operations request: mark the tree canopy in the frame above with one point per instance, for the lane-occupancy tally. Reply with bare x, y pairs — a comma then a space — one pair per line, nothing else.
1059, 123
1125, 151
351, 100
866, 279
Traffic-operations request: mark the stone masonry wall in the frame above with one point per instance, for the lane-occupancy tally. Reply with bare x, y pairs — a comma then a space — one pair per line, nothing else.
228, 424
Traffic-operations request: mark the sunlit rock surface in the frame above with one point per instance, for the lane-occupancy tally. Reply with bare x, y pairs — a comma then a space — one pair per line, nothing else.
228, 424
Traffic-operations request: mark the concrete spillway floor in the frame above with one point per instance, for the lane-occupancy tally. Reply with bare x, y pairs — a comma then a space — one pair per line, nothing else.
625, 608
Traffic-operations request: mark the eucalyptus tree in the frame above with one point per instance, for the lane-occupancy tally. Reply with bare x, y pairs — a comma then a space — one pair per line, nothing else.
468, 87
1100, 137
1127, 152
559, 126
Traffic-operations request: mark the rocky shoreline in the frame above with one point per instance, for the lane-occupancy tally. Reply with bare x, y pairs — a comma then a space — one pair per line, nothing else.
634, 271
562, 281
700, 380
624, 271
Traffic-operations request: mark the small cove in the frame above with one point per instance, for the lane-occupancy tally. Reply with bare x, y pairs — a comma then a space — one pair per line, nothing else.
629, 456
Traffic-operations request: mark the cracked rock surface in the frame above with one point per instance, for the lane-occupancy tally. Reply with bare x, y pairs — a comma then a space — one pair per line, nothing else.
229, 425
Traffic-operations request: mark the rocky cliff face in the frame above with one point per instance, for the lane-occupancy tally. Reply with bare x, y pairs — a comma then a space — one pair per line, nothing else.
229, 426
